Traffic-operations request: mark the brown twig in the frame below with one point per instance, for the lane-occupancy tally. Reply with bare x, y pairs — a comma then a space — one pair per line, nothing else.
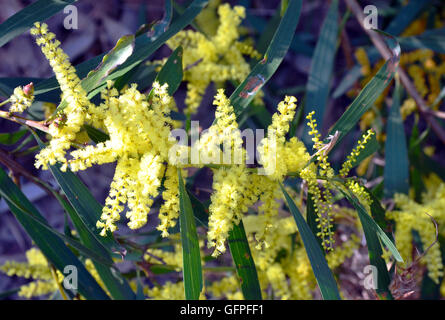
27, 122
17, 169
407, 83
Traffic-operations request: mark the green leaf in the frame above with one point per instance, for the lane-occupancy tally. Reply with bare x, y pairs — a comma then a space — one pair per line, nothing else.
311, 216
348, 80
406, 15
430, 39
263, 71
372, 234
396, 170
24, 19
95, 134
323, 274
116, 284
161, 26
84, 211
143, 49
49, 243
87, 207
364, 100
171, 72
243, 260
370, 224
10, 138
192, 270
377, 212
114, 58
320, 73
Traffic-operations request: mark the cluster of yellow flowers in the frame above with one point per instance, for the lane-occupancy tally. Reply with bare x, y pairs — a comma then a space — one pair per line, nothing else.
412, 216
321, 172
139, 130
235, 187
45, 280
216, 58
284, 267
37, 269
22, 98
140, 142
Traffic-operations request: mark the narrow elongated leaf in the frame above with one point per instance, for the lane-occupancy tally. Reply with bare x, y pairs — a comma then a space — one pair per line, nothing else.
113, 59
87, 207
320, 73
396, 171
311, 218
406, 15
24, 19
243, 260
367, 96
144, 48
323, 274
192, 270
347, 81
161, 26
10, 138
50, 244
371, 225
116, 285
372, 234
171, 72
84, 212
364, 101
264, 69
430, 39
95, 134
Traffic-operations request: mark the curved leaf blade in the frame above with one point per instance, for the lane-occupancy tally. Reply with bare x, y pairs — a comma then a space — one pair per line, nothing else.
396, 170
50, 244
25, 18
317, 87
275, 53
243, 260
192, 269
323, 274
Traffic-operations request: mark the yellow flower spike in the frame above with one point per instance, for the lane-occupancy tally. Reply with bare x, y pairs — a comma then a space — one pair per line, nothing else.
215, 57
322, 197
347, 165
169, 211
63, 130
277, 156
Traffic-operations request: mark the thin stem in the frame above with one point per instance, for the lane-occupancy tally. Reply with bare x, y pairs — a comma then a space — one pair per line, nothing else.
31, 123
56, 279
379, 43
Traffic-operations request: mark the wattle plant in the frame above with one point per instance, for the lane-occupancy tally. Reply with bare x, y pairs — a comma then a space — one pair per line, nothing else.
291, 213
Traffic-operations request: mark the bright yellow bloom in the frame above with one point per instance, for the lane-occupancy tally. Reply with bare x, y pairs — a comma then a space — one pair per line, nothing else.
216, 57
347, 165
22, 98
416, 216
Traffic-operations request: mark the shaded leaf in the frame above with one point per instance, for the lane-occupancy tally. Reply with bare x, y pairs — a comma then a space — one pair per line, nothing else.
192, 270
323, 275
243, 261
